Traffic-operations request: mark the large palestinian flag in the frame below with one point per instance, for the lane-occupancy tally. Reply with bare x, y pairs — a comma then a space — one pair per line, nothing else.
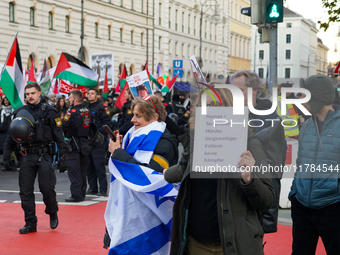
72, 69
45, 81
12, 77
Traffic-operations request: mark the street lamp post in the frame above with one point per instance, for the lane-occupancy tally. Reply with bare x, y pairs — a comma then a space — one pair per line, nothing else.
216, 16
81, 51
310, 54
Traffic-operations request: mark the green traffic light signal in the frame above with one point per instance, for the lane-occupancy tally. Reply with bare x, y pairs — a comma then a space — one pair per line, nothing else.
274, 11
338, 89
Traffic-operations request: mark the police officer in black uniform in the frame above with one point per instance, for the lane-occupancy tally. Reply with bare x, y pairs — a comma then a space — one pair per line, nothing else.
76, 126
35, 128
178, 108
100, 115
124, 118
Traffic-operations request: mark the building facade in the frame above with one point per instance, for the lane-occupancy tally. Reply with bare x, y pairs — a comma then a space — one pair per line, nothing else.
297, 49
321, 60
159, 31
240, 37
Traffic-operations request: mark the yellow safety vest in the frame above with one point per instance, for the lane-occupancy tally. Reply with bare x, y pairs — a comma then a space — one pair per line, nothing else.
291, 115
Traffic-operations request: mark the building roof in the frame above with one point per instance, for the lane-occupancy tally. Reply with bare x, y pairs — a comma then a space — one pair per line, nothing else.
289, 13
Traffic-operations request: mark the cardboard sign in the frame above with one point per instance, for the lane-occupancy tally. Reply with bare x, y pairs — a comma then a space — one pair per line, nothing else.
139, 84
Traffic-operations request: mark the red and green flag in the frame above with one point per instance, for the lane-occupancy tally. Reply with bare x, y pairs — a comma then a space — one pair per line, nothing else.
12, 79
151, 77
121, 99
45, 81
72, 69
106, 86
169, 86
31, 76
122, 80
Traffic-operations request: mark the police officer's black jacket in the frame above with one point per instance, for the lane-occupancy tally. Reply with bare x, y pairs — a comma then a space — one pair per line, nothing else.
100, 115
124, 121
47, 129
168, 106
178, 108
76, 125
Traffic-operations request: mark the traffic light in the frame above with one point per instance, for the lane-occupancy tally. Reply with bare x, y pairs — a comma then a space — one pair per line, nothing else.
273, 11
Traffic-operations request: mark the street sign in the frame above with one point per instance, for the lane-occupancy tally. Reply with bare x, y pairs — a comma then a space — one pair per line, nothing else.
178, 64
246, 11
178, 72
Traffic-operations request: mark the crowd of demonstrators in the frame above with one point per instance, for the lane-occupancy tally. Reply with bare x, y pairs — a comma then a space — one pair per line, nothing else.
36, 145
61, 107
315, 190
219, 216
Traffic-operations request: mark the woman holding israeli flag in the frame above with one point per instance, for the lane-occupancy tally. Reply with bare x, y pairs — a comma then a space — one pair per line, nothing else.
220, 215
139, 210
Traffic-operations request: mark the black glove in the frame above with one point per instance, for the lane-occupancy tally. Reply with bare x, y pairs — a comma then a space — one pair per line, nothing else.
62, 164
7, 164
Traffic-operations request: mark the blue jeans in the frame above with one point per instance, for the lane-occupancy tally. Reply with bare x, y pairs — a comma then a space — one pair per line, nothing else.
309, 225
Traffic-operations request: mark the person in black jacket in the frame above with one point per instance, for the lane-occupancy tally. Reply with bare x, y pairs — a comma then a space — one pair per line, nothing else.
36, 147
76, 125
100, 115
124, 119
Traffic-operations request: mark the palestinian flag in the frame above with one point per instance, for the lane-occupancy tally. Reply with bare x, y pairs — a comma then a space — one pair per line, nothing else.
106, 86
45, 81
122, 80
151, 77
72, 69
169, 86
31, 76
12, 77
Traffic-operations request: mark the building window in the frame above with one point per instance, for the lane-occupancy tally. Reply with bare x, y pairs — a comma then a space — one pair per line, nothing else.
50, 20
287, 54
11, 12
210, 31
169, 17
223, 34
260, 39
170, 50
32, 17
194, 25
189, 24
142, 6
160, 43
121, 34
160, 14
176, 20
182, 22
96, 25
67, 24
261, 54
261, 73
215, 32
142, 39
131, 4
183, 52
132, 37
288, 38
289, 25
287, 73
176, 48
109, 28
121, 3
205, 30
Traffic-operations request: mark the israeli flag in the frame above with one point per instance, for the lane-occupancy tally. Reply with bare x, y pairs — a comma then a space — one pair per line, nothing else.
139, 210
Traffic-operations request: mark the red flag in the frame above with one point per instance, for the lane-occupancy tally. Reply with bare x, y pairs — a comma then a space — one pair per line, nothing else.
106, 85
31, 76
55, 91
121, 81
121, 99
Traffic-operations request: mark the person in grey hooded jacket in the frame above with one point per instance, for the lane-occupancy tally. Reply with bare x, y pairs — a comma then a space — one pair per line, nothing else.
315, 192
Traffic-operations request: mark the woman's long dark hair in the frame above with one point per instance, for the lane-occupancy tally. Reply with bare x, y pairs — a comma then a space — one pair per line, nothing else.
58, 106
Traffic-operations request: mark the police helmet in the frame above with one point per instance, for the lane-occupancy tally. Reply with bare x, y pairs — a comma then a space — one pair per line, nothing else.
96, 138
173, 116
22, 127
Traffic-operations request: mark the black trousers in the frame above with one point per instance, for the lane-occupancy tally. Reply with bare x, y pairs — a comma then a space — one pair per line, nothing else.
96, 169
31, 165
309, 225
77, 165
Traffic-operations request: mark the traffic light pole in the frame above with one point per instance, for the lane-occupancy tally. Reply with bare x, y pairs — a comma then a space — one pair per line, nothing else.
272, 58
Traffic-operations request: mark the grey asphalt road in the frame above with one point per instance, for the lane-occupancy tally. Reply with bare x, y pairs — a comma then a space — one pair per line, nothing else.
9, 189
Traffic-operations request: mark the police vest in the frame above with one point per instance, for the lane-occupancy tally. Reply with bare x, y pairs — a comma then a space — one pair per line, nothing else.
80, 122
289, 120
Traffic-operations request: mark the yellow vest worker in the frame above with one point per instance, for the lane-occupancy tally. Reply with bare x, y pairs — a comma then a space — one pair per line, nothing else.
290, 119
